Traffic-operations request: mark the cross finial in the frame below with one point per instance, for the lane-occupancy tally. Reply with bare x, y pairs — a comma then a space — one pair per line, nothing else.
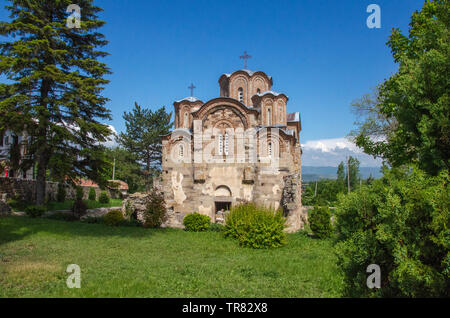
245, 57
192, 89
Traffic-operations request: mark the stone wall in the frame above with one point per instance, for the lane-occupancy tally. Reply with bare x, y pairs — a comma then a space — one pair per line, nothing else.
23, 189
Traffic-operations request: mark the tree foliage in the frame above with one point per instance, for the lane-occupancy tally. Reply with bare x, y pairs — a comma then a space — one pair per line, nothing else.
401, 223
127, 169
143, 136
55, 85
415, 100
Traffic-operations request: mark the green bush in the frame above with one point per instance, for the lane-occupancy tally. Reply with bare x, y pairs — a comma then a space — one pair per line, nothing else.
62, 217
320, 222
196, 222
79, 193
216, 227
93, 219
155, 213
255, 226
79, 208
401, 223
61, 194
92, 194
103, 198
114, 217
35, 211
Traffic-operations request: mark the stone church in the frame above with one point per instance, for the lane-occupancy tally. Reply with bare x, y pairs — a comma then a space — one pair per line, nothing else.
239, 147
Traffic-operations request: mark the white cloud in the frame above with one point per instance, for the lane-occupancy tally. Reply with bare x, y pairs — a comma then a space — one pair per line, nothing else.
329, 145
330, 152
111, 140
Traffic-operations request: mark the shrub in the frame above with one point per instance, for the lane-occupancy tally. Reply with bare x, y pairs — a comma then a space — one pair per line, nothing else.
79, 193
114, 217
93, 219
320, 222
216, 227
155, 213
62, 217
92, 194
401, 223
79, 208
103, 198
61, 194
255, 226
35, 211
196, 222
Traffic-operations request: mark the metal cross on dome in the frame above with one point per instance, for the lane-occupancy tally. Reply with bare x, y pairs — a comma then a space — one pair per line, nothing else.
192, 89
245, 57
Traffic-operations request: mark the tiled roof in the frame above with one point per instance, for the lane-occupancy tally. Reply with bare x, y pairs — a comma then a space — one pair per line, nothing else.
293, 117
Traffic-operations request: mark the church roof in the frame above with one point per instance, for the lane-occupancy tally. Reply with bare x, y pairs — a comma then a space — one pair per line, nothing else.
189, 99
269, 92
250, 73
293, 117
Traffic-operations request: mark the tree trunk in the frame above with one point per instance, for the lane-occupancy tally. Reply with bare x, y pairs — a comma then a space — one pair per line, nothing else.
40, 180
147, 181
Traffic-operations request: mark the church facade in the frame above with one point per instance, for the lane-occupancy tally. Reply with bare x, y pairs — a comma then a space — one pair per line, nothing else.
239, 147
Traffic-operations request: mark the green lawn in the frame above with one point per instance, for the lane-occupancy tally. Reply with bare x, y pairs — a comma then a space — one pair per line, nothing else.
138, 262
66, 205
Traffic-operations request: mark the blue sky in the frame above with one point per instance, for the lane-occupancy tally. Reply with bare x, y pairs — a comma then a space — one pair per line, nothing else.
319, 53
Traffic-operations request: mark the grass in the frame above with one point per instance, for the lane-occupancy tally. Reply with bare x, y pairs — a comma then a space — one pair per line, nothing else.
139, 262
66, 205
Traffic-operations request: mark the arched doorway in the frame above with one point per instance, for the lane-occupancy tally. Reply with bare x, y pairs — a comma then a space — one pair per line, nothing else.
222, 202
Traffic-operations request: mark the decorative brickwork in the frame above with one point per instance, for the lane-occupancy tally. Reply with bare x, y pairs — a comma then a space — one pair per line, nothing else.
232, 152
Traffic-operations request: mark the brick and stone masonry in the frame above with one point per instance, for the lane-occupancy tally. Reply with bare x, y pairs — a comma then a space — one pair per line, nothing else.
240, 147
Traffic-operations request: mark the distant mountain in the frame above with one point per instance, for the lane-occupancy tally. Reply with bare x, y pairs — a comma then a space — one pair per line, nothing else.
312, 173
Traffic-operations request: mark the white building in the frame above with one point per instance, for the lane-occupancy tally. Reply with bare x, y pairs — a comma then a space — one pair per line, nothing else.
9, 139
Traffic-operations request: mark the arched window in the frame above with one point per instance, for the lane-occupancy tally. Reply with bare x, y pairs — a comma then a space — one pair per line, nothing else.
226, 144
186, 120
258, 91
220, 144
280, 112
241, 94
269, 117
269, 150
181, 151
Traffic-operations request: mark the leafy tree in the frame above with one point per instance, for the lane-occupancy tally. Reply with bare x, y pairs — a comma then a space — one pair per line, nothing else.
55, 87
401, 223
127, 168
142, 138
353, 165
416, 98
341, 176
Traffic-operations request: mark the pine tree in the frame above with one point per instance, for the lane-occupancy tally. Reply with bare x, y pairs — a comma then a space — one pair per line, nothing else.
55, 85
142, 138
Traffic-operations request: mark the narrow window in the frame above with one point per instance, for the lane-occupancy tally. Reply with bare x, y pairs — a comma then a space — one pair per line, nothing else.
186, 120
220, 144
269, 117
181, 151
258, 91
270, 149
226, 144
280, 111
241, 94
